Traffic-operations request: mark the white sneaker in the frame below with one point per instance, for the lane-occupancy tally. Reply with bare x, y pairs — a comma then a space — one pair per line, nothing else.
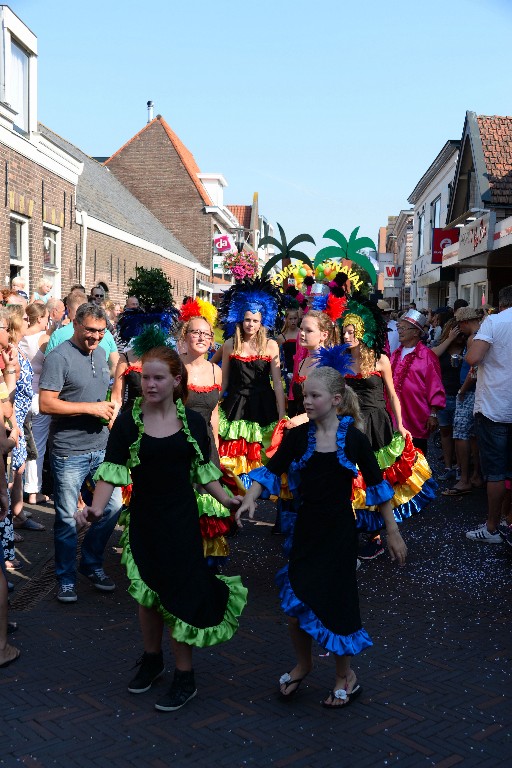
482, 534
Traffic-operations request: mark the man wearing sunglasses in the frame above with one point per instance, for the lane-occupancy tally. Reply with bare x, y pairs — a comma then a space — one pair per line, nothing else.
72, 389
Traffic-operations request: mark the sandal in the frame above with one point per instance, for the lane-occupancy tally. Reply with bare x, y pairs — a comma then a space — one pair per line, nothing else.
29, 525
41, 498
13, 565
341, 695
456, 491
286, 680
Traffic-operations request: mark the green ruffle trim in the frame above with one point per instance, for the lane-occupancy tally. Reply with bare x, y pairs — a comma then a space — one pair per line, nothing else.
210, 507
200, 472
249, 430
388, 454
116, 474
180, 630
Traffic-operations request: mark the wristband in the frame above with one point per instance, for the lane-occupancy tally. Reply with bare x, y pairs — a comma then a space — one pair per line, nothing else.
433, 415
13, 371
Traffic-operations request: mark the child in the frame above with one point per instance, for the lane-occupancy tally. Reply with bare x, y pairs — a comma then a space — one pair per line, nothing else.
318, 588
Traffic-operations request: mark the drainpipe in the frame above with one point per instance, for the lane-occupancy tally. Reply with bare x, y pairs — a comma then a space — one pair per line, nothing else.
84, 248
194, 287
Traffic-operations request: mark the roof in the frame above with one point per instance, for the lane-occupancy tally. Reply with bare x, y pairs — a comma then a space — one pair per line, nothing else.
186, 156
496, 137
444, 155
103, 197
243, 214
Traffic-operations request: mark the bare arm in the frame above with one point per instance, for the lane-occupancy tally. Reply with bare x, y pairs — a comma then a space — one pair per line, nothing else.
49, 403
396, 544
275, 370
102, 494
249, 502
384, 366
443, 345
477, 351
112, 361
217, 355
117, 387
226, 351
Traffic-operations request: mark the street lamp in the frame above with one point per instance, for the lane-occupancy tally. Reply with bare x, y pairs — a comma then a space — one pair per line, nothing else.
239, 238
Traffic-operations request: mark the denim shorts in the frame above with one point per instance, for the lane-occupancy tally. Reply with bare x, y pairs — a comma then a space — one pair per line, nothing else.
464, 421
446, 416
495, 448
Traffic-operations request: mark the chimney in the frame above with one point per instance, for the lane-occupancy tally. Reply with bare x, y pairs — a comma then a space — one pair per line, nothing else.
150, 111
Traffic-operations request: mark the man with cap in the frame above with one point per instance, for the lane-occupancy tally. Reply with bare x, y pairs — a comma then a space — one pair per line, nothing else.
393, 341
417, 379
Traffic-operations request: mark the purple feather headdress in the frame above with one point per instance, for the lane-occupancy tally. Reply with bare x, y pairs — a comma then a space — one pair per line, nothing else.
335, 357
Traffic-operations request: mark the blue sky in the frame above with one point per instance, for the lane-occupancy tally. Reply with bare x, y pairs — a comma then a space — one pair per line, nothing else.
330, 111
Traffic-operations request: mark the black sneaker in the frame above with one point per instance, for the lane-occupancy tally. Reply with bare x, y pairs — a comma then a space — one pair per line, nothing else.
371, 549
151, 666
100, 580
66, 593
183, 689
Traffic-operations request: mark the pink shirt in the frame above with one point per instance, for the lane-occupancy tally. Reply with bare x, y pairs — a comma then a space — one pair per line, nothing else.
417, 380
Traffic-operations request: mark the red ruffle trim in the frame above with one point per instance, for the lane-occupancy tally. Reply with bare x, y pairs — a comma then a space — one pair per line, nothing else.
212, 527
239, 447
250, 359
359, 376
399, 472
195, 388
277, 438
137, 368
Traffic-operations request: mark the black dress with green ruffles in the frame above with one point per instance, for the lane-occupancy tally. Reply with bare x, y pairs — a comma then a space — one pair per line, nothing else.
162, 544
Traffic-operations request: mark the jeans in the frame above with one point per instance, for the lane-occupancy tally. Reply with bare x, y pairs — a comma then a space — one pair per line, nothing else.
69, 473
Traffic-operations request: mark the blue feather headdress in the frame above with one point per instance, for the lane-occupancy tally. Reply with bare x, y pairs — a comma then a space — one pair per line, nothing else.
132, 323
335, 357
248, 295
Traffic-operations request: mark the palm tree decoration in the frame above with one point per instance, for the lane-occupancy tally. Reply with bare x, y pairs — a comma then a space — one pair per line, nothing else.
348, 249
287, 252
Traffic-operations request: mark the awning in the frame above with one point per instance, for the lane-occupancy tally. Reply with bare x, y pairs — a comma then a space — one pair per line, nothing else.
429, 278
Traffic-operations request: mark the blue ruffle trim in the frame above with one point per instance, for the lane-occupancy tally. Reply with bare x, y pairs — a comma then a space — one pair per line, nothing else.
270, 482
341, 434
378, 494
341, 645
368, 520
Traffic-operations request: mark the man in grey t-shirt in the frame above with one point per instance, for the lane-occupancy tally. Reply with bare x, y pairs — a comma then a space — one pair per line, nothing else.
72, 389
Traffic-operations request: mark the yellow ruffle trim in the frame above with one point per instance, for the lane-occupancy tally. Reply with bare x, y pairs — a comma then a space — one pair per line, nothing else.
421, 472
238, 465
217, 547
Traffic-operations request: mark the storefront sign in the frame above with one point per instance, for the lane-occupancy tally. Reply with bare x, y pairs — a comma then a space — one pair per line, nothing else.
223, 243
442, 239
477, 237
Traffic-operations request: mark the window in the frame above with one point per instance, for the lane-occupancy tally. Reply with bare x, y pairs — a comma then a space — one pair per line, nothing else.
50, 244
19, 85
421, 228
18, 247
435, 218
465, 293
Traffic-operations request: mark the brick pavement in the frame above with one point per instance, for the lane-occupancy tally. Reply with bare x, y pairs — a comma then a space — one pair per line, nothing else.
436, 683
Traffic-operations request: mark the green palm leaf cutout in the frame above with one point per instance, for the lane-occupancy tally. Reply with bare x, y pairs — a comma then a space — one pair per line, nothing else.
285, 248
348, 249
333, 234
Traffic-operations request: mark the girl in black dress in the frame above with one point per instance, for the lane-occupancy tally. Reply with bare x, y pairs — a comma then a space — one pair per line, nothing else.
318, 588
162, 448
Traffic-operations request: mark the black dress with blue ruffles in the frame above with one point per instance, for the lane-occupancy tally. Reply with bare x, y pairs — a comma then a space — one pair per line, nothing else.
319, 586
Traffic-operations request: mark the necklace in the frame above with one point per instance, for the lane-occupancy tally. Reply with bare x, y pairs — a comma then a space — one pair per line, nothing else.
404, 370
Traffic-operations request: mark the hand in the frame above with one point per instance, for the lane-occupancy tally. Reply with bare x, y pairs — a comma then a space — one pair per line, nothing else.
432, 424
103, 410
247, 505
87, 515
4, 505
454, 333
15, 435
233, 502
404, 432
295, 421
396, 546
461, 396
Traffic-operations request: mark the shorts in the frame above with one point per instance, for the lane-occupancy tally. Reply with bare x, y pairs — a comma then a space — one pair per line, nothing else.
464, 421
495, 448
446, 416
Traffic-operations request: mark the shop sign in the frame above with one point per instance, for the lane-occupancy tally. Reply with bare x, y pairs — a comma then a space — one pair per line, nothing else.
442, 239
223, 243
477, 237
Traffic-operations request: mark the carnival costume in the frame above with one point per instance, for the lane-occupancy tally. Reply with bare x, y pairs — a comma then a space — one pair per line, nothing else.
167, 571
403, 466
248, 413
318, 587
214, 519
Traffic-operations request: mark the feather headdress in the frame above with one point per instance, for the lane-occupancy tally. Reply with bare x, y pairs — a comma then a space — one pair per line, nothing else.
152, 336
132, 323
369, 324
198, 308
332, 305
336, 357
251, 295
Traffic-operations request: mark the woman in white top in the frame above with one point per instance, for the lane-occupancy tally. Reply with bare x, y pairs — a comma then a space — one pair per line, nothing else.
33, 345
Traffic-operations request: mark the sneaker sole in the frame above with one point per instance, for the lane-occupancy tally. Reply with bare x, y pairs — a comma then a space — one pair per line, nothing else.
163, 708
67, 599
371, 557
143, 690
485, 541
102, 588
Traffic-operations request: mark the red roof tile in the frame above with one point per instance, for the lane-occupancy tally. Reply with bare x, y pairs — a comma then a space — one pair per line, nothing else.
496, 135
242, 213
185, 155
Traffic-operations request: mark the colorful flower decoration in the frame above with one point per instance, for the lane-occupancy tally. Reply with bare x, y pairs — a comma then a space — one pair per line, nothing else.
241, 265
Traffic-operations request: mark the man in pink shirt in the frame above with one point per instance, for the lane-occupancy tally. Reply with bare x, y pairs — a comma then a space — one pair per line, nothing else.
417, 379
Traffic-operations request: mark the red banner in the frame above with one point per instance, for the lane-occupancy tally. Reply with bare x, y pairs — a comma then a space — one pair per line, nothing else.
442, 239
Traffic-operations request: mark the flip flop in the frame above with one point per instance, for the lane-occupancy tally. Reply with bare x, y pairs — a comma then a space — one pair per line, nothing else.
42, 500
286, 680
342, 694
456, 491
30, 525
